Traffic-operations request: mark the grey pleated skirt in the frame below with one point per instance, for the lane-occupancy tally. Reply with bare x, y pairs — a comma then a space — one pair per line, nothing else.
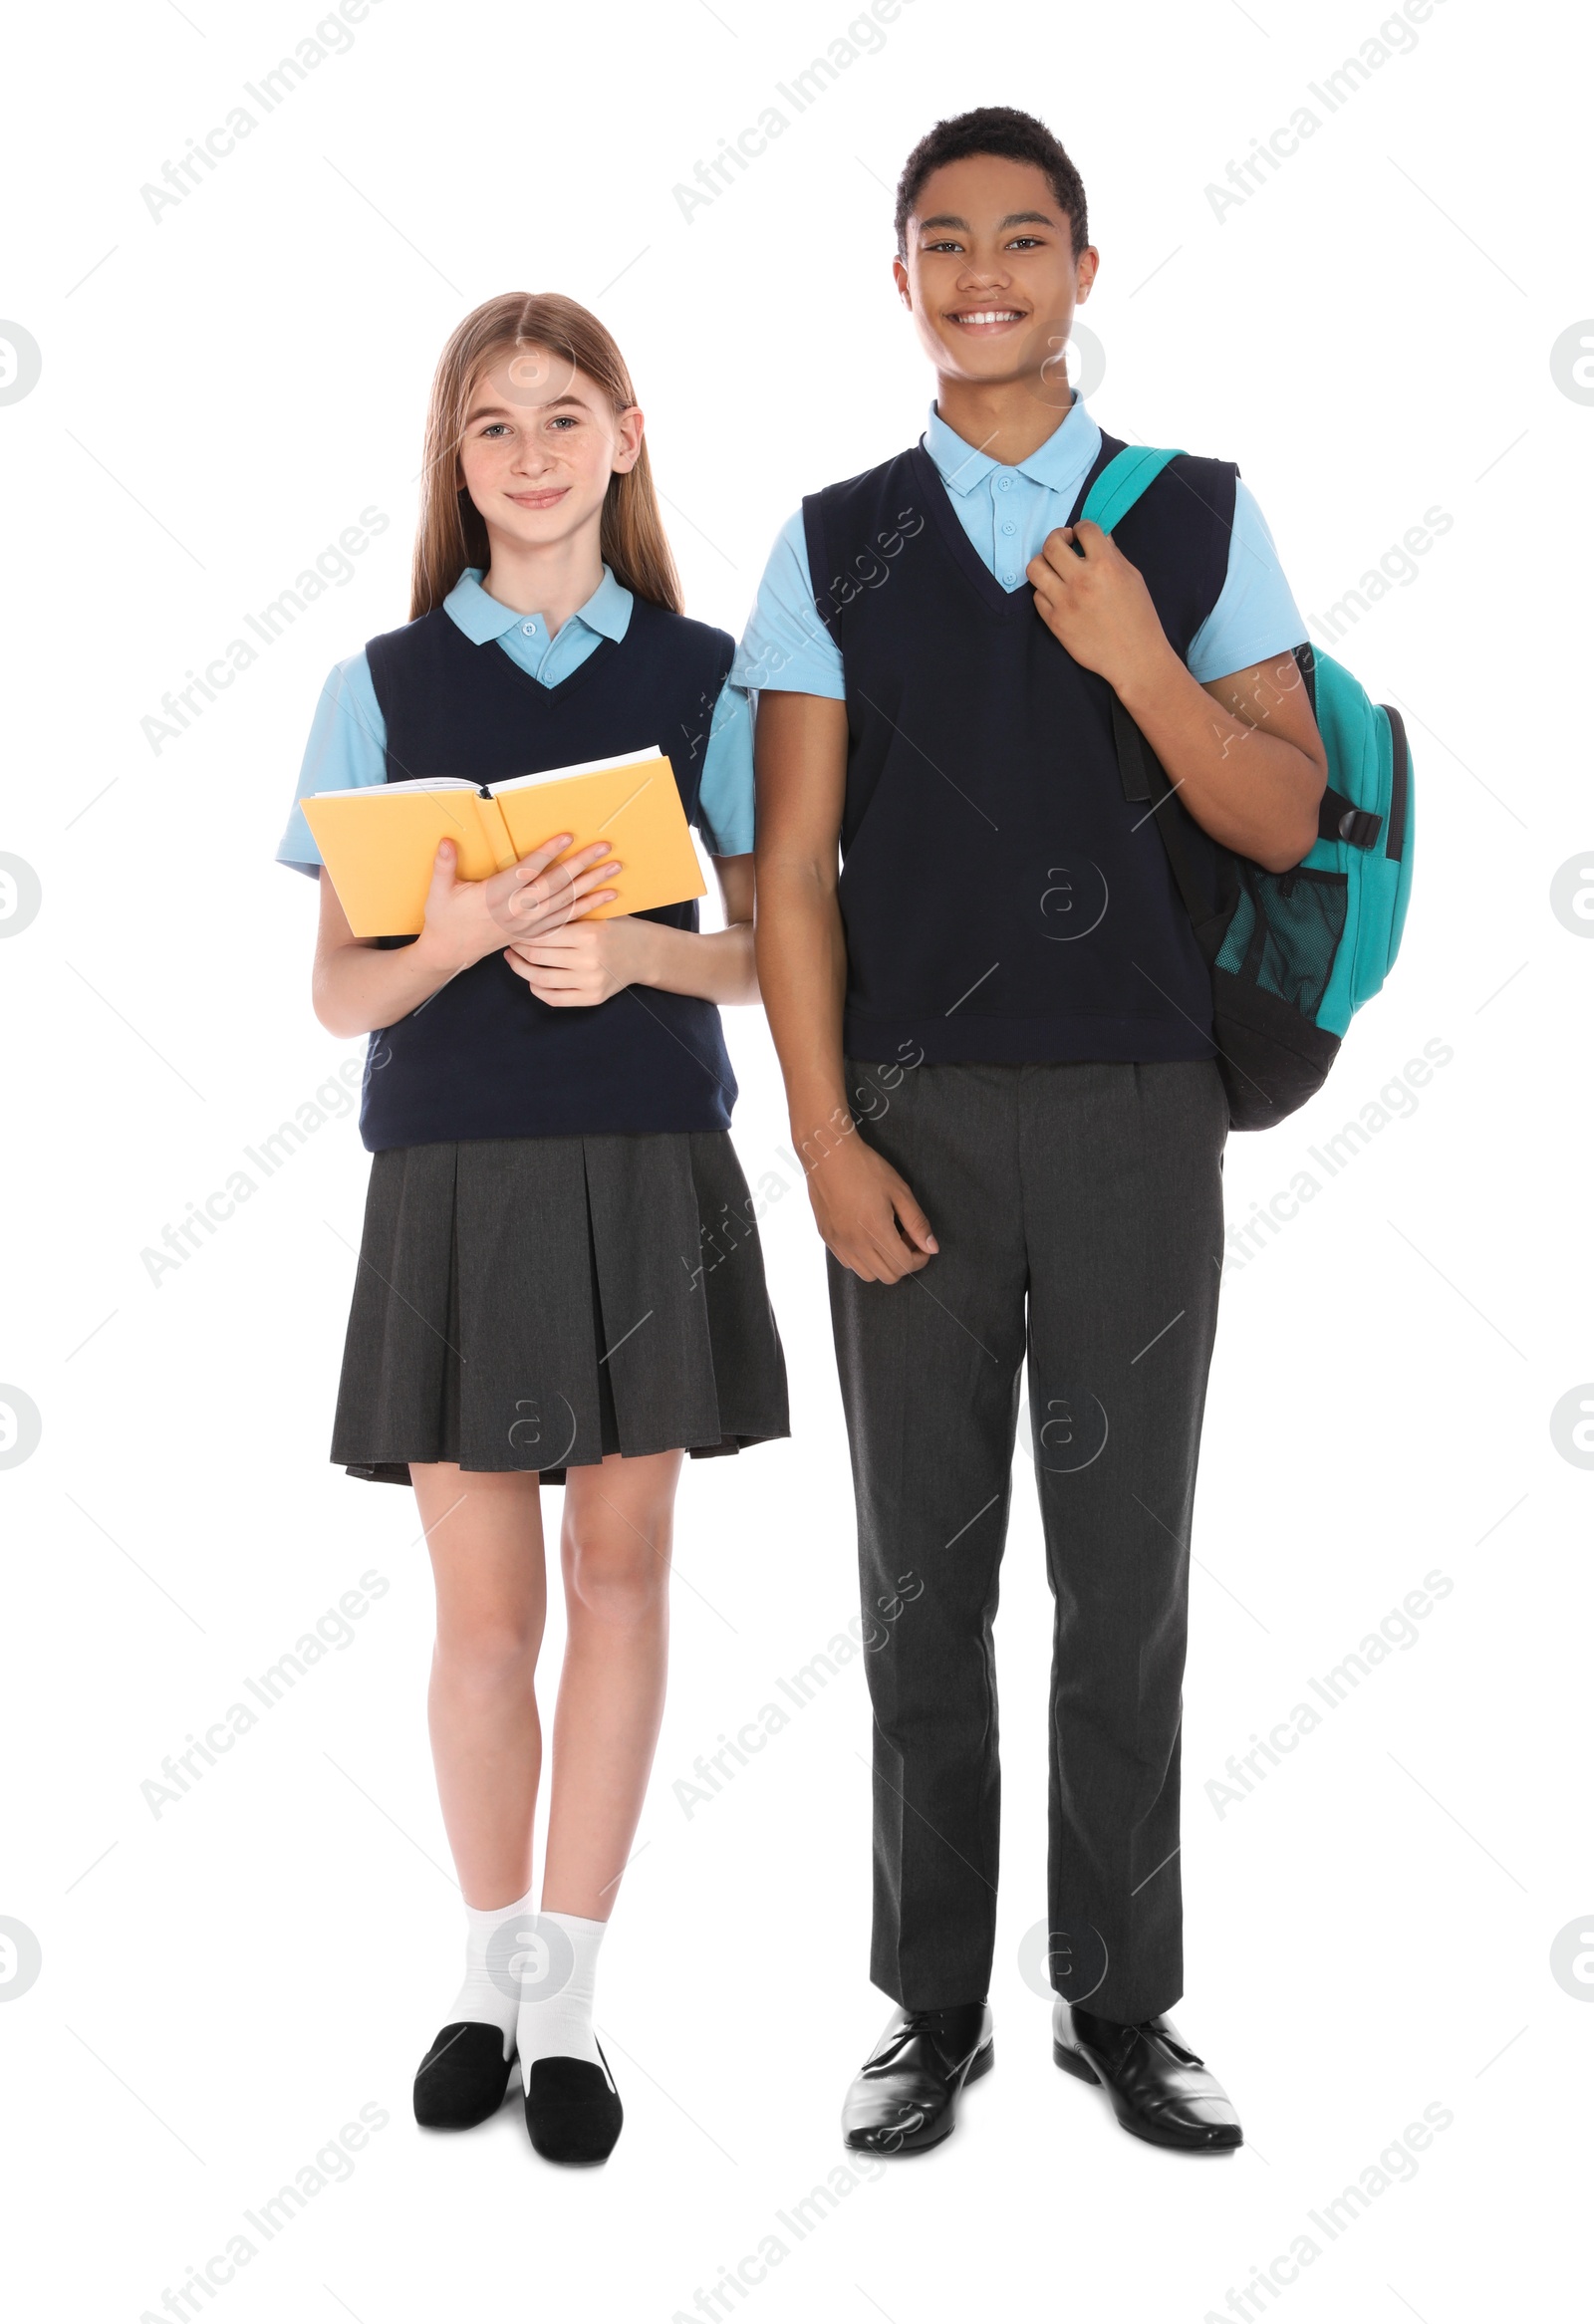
535, 1303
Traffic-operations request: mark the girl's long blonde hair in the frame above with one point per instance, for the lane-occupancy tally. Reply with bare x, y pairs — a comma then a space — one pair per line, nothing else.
450, 533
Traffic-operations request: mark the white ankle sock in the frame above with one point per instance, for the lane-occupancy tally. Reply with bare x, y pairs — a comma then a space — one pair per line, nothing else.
555, 2019
486, 2000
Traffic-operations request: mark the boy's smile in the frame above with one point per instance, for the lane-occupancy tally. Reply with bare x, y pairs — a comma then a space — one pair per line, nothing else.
985, 322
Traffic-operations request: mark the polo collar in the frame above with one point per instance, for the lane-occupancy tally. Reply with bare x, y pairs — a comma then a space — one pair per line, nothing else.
1060, 463
483, 619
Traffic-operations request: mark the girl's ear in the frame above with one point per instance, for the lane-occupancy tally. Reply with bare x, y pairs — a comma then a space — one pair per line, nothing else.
629, 426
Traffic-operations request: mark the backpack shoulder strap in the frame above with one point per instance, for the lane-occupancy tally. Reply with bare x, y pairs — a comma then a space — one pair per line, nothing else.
1114, 489
1196, 864
1120, 484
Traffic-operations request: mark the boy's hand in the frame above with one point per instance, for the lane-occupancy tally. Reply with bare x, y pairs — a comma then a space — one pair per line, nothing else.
585, 961
866, 1214
1097, 604
468, 918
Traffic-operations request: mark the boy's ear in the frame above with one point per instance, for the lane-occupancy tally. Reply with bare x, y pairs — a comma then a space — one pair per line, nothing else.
1090, 259
898, 268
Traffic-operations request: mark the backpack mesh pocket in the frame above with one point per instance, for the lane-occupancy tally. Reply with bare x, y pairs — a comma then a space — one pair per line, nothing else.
1286, 934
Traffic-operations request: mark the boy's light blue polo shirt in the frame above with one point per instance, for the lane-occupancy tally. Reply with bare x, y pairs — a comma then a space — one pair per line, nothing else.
349, 737
1007, 513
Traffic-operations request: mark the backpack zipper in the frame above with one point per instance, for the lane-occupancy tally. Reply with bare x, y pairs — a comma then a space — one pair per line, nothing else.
1400, 781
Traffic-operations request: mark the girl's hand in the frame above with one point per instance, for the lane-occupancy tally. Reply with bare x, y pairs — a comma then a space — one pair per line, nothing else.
468, 918
585, 963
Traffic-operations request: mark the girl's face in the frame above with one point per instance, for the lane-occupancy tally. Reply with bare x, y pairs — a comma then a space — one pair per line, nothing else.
539, 445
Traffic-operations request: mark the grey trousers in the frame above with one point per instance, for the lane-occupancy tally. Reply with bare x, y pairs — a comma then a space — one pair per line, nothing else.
1079, 1214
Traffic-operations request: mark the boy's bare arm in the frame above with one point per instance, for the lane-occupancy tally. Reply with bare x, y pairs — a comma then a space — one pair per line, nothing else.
865, 1211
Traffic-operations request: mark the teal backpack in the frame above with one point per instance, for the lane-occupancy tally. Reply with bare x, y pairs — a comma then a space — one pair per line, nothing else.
1292, 955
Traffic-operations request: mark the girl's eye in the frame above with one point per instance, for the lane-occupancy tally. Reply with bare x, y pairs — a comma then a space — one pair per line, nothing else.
496, 427
564, 419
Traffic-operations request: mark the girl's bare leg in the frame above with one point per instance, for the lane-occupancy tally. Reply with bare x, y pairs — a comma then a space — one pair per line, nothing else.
484, 1533
614, 1549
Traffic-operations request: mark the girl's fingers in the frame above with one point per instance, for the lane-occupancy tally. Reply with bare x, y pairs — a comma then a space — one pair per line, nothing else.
541, 864
540, 858
508, 886
557, 894
606, 871
560, 912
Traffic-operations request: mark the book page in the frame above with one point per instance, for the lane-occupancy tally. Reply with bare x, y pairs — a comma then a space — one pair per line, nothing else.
590, 766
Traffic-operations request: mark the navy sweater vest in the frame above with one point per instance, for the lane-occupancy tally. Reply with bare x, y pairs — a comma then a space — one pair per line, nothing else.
484, 1056
1003, 900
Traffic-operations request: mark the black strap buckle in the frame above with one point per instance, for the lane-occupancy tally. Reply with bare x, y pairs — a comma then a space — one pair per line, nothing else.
1338, 819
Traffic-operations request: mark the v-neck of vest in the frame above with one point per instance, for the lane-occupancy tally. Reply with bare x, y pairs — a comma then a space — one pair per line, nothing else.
601, 653
1010, 601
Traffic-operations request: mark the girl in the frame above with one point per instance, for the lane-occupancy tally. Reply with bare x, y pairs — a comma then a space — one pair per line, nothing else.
548, 1102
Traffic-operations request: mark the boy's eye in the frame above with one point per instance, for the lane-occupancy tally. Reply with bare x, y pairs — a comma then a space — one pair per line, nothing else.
938, 246
1025, 242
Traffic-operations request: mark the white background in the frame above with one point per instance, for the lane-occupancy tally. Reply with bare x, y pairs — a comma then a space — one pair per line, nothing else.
224, 1984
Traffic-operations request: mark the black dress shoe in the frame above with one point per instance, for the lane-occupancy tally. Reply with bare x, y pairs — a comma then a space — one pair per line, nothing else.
906, 2098
1159, 2089
573, 2109
463, 2078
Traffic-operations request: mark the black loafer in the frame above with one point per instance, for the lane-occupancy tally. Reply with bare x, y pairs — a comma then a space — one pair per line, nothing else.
904, 2101
463, 2078
573, 2109
1161, 2090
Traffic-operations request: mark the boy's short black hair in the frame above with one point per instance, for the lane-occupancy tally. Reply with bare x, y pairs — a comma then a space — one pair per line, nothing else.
993, 129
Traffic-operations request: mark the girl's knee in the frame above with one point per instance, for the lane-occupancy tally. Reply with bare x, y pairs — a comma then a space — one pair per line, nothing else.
491, 1649
614, 1573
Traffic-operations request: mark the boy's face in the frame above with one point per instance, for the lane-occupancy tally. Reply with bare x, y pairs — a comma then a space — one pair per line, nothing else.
989, 277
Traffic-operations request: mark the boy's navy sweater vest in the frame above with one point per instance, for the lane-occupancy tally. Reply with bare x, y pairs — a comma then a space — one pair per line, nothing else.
1003, 902
484, 1056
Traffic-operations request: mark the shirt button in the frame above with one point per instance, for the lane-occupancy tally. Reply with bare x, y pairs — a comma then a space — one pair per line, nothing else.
1009, 581
1009, 528
528, 629
1004, 484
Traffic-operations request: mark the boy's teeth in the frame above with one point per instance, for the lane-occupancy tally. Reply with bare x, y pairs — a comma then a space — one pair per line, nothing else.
994, 315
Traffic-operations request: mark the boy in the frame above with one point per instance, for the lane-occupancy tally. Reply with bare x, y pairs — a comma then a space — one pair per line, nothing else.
995, 1036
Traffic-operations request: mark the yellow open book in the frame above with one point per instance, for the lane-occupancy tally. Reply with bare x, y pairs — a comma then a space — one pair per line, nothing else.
378, 842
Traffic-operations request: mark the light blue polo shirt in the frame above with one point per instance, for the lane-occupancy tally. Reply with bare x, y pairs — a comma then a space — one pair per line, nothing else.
349, 735
1007, 513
